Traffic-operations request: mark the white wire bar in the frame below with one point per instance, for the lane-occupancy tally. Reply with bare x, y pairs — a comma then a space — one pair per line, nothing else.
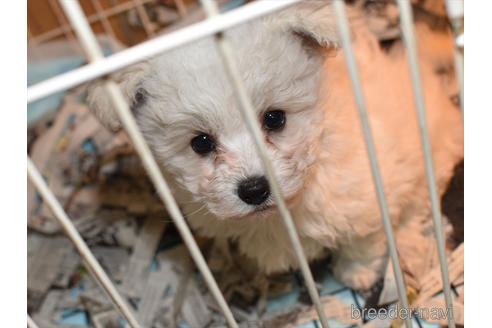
115, 10
153, 47
89, 42
91, 261
249, 117
406, 21
62, 21
455, 11
344, 31
31, 323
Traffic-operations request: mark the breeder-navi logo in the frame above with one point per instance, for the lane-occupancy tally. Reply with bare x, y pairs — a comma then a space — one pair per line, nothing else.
433, 313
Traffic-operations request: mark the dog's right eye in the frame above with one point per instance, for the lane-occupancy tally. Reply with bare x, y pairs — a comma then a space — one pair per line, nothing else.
203, 144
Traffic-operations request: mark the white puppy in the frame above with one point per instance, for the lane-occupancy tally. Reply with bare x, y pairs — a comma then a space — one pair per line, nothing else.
189, 114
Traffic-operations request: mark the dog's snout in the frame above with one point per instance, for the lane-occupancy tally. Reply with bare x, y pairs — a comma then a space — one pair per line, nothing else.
254, 190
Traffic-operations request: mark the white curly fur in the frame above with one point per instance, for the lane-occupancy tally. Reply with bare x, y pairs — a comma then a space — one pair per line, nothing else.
320, 156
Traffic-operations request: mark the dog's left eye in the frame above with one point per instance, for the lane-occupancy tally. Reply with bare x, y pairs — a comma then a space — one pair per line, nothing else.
203, 144
274, 120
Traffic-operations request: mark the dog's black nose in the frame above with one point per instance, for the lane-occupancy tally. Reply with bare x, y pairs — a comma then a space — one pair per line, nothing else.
254, 190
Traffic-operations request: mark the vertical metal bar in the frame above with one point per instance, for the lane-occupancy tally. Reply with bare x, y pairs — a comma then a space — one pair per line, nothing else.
117, 9
79, 23
344, 32
144, 17
77, 18
31, 323
92, 263
249, 116
455, 11
166, 196
406, 19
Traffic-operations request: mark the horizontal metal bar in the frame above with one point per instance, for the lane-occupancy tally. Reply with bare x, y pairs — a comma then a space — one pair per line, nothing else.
72, 233
406, 19
249, 117
89, 42
153, 47
344, 32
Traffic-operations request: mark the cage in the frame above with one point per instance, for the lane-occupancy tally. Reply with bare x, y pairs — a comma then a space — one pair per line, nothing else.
87, 183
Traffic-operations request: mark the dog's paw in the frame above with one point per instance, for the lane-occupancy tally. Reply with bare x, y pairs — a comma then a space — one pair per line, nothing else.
359, 275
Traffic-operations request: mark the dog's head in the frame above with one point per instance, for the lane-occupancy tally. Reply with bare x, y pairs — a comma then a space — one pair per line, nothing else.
189, 113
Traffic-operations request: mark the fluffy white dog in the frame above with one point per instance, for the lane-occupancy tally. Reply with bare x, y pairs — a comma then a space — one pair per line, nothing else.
189, 114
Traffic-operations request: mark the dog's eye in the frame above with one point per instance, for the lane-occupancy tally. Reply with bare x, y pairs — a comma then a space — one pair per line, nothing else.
203, 144
274, 120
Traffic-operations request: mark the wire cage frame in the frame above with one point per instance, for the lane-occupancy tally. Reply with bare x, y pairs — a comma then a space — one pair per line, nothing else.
101, 15
217, 22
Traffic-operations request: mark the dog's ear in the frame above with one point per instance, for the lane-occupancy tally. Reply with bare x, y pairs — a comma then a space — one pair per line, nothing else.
313, 21
128, 80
